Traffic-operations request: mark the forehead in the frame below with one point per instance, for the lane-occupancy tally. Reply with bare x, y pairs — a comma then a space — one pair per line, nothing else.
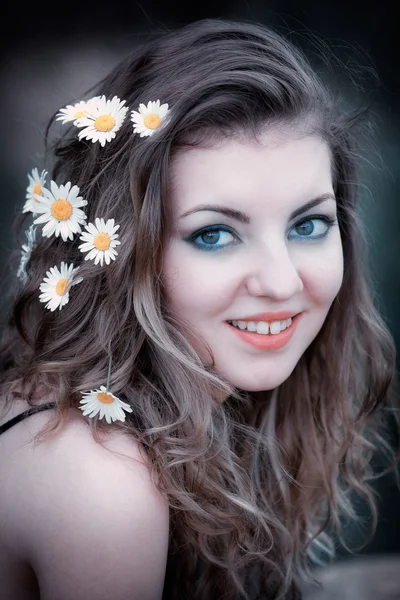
278, 163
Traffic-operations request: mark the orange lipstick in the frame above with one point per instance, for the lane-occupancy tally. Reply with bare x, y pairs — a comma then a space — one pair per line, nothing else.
267, 341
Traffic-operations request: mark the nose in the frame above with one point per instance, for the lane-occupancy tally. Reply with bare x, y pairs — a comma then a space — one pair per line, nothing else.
272, 273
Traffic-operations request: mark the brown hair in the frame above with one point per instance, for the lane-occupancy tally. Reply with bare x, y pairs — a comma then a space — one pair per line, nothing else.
258, 484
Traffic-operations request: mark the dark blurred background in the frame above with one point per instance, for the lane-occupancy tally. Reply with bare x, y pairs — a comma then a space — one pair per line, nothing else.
53, 53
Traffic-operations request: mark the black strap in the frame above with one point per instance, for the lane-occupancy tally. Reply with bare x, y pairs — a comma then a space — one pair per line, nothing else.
27, 413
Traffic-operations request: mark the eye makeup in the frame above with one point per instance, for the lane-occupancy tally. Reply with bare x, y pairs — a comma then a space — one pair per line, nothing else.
320, 226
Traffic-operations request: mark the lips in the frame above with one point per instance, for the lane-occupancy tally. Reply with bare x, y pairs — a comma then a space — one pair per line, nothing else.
267, 341
269, 316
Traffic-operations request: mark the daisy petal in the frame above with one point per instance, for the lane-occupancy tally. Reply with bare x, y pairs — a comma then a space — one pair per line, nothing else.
148, 119
56, 285
98, 242
105, 404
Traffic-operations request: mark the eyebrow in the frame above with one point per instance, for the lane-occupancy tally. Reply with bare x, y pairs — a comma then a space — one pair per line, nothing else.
243, 218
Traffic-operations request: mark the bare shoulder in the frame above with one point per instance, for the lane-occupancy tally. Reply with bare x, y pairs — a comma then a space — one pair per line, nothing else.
90, 520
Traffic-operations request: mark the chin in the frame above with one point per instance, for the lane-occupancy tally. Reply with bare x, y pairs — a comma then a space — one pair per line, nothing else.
254, 387
255, 383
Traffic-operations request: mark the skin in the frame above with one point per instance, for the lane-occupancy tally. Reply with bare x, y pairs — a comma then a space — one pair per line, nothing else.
268, 265
80, 520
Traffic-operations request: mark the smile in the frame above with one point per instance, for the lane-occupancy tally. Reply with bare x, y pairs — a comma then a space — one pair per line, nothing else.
264, 335
262, 327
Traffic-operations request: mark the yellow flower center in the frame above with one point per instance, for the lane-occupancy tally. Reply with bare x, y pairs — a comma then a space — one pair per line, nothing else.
61, 210
79, 114
37, 189
102, 241
105, 398
104, 123
152, 121
62, 286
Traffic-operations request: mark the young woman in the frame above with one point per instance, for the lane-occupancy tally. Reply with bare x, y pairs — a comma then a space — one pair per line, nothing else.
194, 374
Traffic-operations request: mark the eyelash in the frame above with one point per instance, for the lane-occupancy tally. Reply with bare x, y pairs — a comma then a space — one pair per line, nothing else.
328, 221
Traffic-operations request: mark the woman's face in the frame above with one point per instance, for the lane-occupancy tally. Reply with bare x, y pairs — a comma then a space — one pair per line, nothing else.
268, 249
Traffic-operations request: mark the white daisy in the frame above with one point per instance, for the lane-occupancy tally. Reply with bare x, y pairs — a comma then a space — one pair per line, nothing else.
55, 287
26, 250
104, 121
35, 188
149, 118
73, 112
100, 241
104, 402
61, 212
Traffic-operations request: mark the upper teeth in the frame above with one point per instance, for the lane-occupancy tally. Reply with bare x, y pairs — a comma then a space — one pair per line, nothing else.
262, 326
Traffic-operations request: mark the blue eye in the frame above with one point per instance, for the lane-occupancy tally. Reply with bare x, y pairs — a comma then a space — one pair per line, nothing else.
209, 236
312, 228
218, 237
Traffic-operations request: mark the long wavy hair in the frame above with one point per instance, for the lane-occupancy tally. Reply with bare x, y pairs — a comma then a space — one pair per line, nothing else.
260, 485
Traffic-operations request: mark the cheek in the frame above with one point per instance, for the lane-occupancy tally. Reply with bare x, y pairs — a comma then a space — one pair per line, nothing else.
191, 286
191, 298
323, 276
